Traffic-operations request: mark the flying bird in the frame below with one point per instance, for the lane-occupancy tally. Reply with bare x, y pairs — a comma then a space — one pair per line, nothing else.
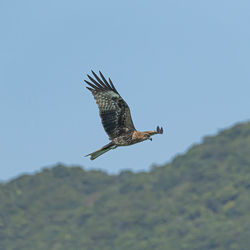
115, 116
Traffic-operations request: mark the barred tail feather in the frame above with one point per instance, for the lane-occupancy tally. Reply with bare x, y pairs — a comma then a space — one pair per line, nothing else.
101, 151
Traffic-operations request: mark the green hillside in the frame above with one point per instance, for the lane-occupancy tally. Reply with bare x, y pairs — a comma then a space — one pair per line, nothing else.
199, 201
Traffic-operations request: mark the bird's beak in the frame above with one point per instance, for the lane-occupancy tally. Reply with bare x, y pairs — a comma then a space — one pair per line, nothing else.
150, 138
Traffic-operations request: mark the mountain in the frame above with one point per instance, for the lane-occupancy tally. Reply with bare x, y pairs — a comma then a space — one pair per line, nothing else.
199, 201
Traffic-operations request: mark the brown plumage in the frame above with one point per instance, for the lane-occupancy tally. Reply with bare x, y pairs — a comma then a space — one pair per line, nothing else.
115, 115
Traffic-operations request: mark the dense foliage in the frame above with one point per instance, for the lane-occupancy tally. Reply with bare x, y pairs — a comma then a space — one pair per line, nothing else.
199, 201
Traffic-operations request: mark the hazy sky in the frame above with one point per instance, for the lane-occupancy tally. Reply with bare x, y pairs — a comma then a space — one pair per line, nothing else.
184, 65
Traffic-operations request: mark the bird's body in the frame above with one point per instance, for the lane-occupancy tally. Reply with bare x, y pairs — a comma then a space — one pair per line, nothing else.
115, 115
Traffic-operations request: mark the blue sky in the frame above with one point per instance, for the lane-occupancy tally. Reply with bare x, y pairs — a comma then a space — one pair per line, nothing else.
183, 65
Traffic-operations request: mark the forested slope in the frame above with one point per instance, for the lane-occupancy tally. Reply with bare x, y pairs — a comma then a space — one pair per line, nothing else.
201, 200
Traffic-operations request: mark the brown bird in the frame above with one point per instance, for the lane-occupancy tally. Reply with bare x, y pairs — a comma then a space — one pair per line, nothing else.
115, 115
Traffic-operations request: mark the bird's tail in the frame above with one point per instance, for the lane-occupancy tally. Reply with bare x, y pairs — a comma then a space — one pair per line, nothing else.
101, 151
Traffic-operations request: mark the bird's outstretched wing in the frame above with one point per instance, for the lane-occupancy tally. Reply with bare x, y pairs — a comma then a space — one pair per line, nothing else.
113, 110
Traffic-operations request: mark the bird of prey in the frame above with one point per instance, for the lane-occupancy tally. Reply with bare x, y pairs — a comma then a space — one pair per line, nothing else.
115, 116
